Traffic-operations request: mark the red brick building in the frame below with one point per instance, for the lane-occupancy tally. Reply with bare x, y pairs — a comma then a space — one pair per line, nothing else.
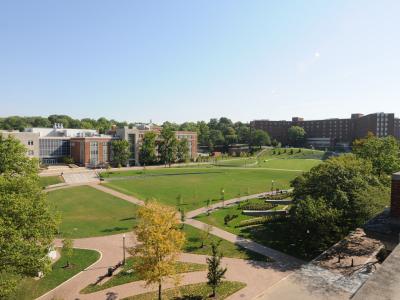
91, 151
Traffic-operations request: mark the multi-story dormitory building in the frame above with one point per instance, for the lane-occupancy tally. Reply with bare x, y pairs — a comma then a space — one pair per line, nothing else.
86, 146
332, 133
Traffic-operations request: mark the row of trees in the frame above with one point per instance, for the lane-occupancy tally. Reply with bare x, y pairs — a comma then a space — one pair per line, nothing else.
215, 132
166, 149
342, 193
19, 123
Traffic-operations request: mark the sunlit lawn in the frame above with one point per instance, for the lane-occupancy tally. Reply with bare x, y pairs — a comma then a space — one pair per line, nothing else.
197, 185
87, 212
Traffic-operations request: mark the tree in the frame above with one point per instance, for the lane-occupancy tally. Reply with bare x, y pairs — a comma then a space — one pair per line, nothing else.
120, 153
382, 152
160, 243
168, 146
215, 272
259, 138
336, 190
205, 234
182, 153
27, 224
68, 249
148, 151
296, 136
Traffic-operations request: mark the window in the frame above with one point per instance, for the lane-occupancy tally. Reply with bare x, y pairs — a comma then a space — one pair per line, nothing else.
94, 153
31, 153
30, 143
105, 152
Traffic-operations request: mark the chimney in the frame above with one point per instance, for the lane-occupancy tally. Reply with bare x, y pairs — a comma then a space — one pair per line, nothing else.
395, 197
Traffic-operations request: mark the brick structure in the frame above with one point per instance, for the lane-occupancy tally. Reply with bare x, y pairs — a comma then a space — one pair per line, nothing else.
395, 197
91, 151
332, 132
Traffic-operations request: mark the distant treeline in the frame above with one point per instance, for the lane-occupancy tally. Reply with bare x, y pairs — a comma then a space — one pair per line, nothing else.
215, 132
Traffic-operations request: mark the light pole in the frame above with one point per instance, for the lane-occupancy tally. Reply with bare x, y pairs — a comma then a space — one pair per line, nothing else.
272, 186
123, 249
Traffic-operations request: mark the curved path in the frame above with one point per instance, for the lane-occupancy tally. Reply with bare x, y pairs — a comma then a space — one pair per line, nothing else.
259, 276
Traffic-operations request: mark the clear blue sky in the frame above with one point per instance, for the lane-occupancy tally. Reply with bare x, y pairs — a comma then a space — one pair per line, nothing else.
192, 60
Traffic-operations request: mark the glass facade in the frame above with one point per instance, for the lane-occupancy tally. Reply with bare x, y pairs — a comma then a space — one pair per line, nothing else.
94, 153
105, 152
54, 148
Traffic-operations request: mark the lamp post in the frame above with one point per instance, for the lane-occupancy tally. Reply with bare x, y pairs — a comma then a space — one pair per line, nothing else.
272, 186
123, 249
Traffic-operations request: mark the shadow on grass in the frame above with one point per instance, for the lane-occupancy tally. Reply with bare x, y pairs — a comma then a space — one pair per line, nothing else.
127, 219
115, 229
141, 176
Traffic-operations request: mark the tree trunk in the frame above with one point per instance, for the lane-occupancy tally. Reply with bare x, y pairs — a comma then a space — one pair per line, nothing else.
159, 291
213, 292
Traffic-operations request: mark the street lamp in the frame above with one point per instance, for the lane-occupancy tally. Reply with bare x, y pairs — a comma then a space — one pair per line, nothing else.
272, 185
123, 249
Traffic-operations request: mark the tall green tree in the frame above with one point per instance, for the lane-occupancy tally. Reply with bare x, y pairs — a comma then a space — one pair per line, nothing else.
296, 136
168, 146
215, 272
120, 153
382, 152
259, 138
148, 150
182, 153
27, 224
329, 200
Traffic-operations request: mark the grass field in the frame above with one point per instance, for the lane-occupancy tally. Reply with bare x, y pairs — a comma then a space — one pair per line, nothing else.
128, 274
30, 288
196, 185
49, 180
87, 212
228, 249
193, 291
281, 158
275, 235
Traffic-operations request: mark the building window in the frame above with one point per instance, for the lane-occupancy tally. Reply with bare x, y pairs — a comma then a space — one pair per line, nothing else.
30, 143
105, 152
94, 153
31, 153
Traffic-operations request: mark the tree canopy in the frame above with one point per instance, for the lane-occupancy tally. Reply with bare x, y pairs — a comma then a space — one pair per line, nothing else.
120, 153
296, 136
161, 242
332, 199
148, 150
382, 152
27, 225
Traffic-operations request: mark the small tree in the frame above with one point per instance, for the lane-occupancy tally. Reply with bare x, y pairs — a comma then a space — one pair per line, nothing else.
182, 152
205, 234
160, 243
215, 272
68, 250
179, 200
148, 150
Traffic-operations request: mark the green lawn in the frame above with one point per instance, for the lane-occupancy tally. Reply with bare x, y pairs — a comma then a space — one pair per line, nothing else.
304, 160
30, 288
196, 185
128, 274
274, 234
87, 212
228, 249
49, 180
193, 291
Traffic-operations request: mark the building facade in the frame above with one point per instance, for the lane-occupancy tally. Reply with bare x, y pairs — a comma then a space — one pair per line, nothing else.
334, 132
28, 139
92, 151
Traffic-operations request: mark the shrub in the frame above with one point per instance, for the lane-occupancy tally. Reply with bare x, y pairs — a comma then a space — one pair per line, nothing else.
260, 221
229, 218
257, 206
279, 196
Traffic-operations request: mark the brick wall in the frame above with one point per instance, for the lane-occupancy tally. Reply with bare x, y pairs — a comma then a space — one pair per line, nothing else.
395, 197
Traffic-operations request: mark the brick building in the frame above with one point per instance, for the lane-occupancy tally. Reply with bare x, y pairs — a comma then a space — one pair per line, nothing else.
91, 151
334, 132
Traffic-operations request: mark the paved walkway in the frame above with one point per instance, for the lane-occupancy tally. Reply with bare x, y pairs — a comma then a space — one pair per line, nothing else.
257, 275
118, 194
82, 177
